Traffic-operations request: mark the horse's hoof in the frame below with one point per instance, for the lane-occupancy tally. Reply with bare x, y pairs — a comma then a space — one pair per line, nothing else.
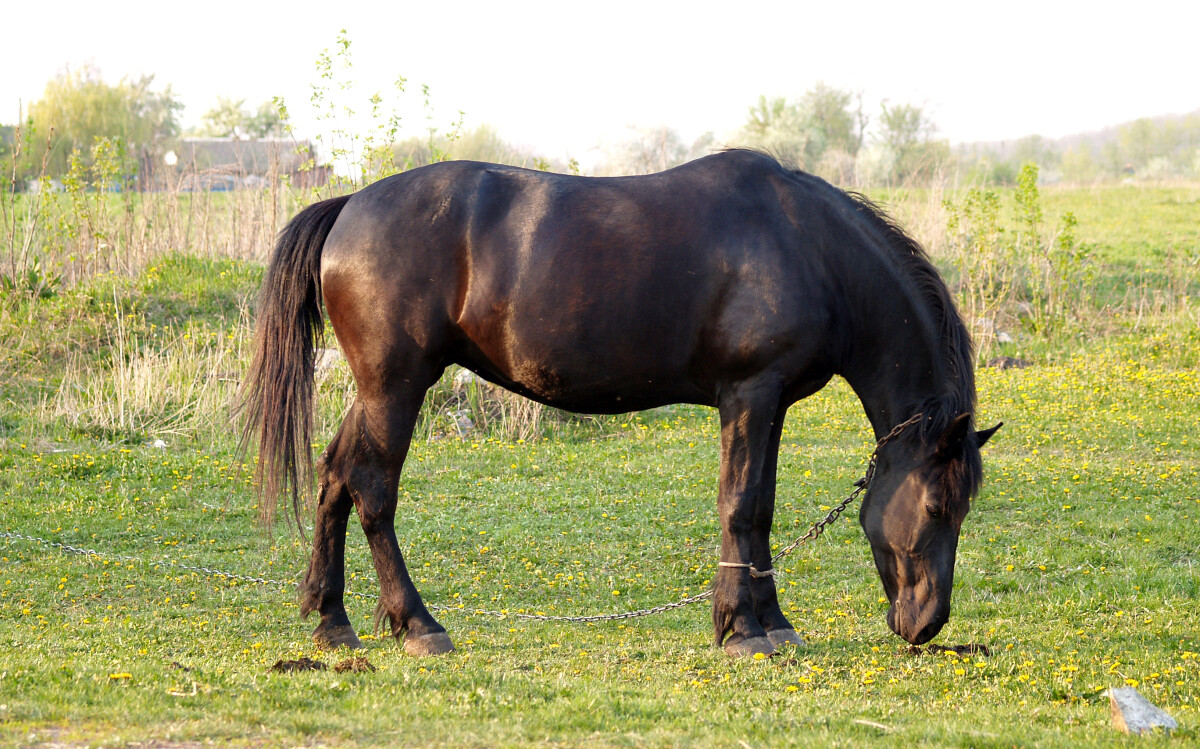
437, 643
750, 646
342, 635
780, 637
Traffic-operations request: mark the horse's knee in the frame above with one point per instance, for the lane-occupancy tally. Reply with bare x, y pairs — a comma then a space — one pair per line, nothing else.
376, 514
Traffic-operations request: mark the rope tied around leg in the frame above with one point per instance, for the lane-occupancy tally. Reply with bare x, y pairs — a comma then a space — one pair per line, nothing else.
754, 571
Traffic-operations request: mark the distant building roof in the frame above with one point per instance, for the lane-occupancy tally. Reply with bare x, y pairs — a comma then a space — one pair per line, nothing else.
259, 156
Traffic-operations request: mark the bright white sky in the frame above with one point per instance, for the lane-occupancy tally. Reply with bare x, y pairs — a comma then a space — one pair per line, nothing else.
562, 77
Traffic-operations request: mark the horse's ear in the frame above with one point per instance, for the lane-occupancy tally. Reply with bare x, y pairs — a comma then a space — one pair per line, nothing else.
984, 435
952, 439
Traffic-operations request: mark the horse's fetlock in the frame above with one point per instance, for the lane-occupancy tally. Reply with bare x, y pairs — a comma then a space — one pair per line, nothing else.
396, 621
310, 599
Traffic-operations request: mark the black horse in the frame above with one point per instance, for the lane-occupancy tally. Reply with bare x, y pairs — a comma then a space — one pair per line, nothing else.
731, 282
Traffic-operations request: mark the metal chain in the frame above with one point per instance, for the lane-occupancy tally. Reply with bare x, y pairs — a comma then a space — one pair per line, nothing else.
860, 486
636, 614
816, 530
123, 558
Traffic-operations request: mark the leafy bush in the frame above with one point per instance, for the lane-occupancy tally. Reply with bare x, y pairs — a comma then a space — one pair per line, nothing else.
1017, 273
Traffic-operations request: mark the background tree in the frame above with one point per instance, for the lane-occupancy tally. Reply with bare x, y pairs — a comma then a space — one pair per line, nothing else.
482, 143
1136, 142
836, 125
230, 119
646, 150
822, 131
827, 116
80, 107
907, 131
267, 122
1078, 165
1036, 149
777, 126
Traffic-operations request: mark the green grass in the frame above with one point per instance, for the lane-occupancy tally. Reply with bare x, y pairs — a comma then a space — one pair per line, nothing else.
1132, 224
1078, 565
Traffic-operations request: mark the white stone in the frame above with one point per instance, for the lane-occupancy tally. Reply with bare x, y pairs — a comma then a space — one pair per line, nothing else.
464, 378
462, 422
326, 359
1133, 713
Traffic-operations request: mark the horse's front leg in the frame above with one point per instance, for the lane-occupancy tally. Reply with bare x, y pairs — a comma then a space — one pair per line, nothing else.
748, 411
766, 600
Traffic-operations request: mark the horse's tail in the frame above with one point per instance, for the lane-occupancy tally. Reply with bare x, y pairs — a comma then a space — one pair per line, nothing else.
277, 395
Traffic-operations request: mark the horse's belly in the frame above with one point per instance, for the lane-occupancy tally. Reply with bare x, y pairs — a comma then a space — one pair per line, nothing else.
600, 390
587, 378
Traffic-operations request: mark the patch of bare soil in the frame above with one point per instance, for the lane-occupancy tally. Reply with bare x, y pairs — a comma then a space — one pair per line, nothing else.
1008, 362
959, 650
356, 665
303, 664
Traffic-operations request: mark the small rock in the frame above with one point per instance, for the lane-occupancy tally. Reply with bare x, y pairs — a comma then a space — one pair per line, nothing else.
1004, 337
158, 445
462, 422
1133, 713
464, 378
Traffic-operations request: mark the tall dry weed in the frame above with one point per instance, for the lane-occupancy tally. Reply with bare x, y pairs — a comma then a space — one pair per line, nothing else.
183, 385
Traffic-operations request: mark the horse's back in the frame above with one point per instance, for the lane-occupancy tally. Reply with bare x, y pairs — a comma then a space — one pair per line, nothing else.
578, 291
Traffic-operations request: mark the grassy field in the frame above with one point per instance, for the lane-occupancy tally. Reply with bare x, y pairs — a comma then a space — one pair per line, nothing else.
1079, 565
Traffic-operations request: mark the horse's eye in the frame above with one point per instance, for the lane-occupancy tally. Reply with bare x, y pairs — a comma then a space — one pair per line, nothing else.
934, 510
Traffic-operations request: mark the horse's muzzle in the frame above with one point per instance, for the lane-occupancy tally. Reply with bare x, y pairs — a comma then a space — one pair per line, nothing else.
915, 624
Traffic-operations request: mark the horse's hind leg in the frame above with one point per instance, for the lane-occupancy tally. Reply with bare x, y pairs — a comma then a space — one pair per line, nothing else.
383, 432
325, 582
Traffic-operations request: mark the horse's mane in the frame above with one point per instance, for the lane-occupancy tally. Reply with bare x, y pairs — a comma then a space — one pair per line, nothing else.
958, 393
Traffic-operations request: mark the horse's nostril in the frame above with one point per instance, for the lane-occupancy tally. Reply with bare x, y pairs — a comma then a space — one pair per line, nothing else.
927, 634
912, 626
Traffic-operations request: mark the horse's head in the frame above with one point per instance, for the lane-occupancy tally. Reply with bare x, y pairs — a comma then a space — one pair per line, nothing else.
912, 513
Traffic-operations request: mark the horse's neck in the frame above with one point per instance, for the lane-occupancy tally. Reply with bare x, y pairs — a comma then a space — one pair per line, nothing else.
896, 365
